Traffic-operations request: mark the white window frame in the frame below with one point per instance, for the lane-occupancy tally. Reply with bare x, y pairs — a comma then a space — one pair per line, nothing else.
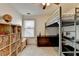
27, 28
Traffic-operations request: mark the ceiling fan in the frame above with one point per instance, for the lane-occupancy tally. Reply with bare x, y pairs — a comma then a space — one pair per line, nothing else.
47, 4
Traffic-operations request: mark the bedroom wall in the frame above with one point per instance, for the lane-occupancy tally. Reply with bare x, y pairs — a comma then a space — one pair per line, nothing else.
40, 27
40, 23
52, 31
7, 9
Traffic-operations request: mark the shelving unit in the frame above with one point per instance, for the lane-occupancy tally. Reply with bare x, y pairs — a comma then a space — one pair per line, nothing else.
10, 39
23, 44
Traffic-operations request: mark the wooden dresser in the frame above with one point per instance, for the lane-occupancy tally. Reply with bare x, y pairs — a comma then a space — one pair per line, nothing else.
45, 41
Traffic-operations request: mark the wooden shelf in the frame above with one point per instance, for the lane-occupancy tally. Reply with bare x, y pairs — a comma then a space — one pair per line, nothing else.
10, 39
4, 47
5, 51
23, 45
14, 53
19, 49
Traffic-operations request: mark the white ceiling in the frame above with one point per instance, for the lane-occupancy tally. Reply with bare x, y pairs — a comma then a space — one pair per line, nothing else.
33, 8
36, 8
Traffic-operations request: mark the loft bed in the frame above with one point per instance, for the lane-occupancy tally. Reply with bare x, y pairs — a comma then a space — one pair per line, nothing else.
66, 20
53, 20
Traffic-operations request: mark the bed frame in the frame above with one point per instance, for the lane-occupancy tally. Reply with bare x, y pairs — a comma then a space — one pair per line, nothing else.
62, 21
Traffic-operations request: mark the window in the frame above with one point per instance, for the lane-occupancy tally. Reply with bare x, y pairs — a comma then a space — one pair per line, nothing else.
29, 27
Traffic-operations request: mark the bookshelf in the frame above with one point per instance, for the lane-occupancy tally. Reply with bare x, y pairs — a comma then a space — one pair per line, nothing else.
23, 44
10, 39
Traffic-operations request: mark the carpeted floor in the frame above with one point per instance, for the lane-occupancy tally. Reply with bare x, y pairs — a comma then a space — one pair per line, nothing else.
33, 50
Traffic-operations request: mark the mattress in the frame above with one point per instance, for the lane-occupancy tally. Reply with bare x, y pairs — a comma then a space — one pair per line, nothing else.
65, 18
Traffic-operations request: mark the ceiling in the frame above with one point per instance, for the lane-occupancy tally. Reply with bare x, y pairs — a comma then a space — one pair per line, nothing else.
36, 8
33, 8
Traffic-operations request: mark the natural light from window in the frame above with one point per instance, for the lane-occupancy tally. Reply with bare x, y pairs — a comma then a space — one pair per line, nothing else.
29, 26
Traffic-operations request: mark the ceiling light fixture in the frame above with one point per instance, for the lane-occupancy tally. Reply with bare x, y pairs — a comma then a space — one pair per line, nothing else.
48, 4
45, 5
28, 13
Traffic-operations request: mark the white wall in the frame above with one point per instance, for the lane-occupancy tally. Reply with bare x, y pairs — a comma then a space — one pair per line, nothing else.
40, 26
52, 31
7, 9
40, 23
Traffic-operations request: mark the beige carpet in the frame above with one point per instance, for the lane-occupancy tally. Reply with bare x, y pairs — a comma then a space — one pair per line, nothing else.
32, 50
